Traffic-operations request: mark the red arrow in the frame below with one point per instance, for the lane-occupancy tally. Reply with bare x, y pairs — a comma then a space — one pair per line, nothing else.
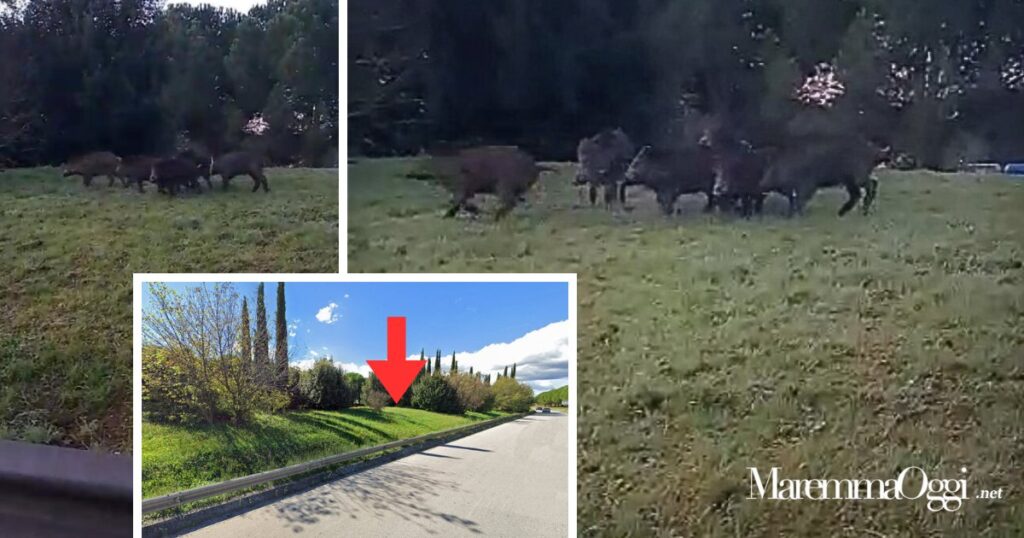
396, 373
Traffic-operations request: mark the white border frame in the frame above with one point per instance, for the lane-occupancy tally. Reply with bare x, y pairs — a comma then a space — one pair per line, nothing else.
139, 278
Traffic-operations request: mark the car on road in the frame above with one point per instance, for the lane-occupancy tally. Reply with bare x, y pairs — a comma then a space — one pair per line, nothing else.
545, 409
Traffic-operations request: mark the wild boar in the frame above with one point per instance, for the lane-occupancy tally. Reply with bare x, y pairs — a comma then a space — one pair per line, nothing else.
239, 163
672, 173
806, 164
170, 174
202, 161
137, 169
603, 160
90, 165
739, 169
505, 171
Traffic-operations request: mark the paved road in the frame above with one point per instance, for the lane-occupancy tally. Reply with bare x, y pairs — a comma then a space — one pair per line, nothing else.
510, 480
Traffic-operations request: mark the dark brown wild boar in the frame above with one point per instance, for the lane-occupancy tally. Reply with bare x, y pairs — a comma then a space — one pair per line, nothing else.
505, 171
603, 160
170, 174
202, 161
807, 164
137, 169
673, 173
90, 165
239, 163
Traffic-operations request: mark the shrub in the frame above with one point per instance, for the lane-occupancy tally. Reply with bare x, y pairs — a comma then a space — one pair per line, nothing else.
166, 394
433, 393
323, 387
370, 386
377, 400
296, 400
355, 382
472, 393
512, 396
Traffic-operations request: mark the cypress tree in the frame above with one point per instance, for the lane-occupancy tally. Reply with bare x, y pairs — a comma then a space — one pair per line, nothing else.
513, 370
426, 370
281, 342
261, 351
455, 366
505, 373
245, 335
437, 363
429, 369
470, 370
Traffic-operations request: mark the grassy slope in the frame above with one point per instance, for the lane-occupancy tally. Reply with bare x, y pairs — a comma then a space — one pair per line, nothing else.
66, 282
831, 348
561, 394
175, 458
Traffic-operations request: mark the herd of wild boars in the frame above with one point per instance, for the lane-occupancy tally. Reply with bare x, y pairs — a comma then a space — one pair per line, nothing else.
734, 176
729, 172
182, 171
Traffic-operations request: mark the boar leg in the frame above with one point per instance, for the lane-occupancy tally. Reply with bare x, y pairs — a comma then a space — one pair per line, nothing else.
666, 201
457, 202
854, 191
710, 205
609, 195
259, 179
593, 193
869, 196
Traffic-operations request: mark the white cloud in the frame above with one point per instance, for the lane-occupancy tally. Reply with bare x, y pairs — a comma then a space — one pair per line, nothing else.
306, 364
346, 296
328, 314
541, 357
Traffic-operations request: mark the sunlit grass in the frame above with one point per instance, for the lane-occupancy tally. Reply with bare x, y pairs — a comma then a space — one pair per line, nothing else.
176, 458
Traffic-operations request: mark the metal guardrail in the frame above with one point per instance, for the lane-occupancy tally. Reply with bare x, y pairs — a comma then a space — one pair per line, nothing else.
174, 500
52, 491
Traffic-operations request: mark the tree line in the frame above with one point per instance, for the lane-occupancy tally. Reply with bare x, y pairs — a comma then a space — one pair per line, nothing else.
204, 360
135, 78
939, 80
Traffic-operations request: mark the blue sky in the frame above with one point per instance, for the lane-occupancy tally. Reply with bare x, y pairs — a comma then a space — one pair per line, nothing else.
488, 324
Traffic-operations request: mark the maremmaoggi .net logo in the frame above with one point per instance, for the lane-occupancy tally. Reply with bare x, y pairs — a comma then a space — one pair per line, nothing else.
911, 483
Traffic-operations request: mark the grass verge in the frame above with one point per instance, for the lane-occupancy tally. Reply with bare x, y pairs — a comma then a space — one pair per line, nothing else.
176, 458
828, 347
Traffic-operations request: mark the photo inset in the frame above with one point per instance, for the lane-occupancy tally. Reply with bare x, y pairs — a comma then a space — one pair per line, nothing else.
327, 405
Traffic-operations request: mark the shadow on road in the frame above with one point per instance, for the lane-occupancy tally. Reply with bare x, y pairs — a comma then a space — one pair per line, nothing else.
467, 448
438, 456
382, 493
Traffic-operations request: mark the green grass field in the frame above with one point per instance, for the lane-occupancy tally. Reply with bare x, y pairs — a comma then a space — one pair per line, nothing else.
832, 348
66, 282
176, 458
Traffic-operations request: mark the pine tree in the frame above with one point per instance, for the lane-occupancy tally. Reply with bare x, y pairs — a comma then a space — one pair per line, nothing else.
245, 334
281, 342
261, 342
455, 366
513, 370
437, 363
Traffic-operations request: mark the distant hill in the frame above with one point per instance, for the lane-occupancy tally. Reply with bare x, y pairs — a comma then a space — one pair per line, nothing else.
554, 396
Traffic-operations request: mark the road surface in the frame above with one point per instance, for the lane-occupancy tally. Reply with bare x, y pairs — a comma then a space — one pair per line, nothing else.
509, 480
